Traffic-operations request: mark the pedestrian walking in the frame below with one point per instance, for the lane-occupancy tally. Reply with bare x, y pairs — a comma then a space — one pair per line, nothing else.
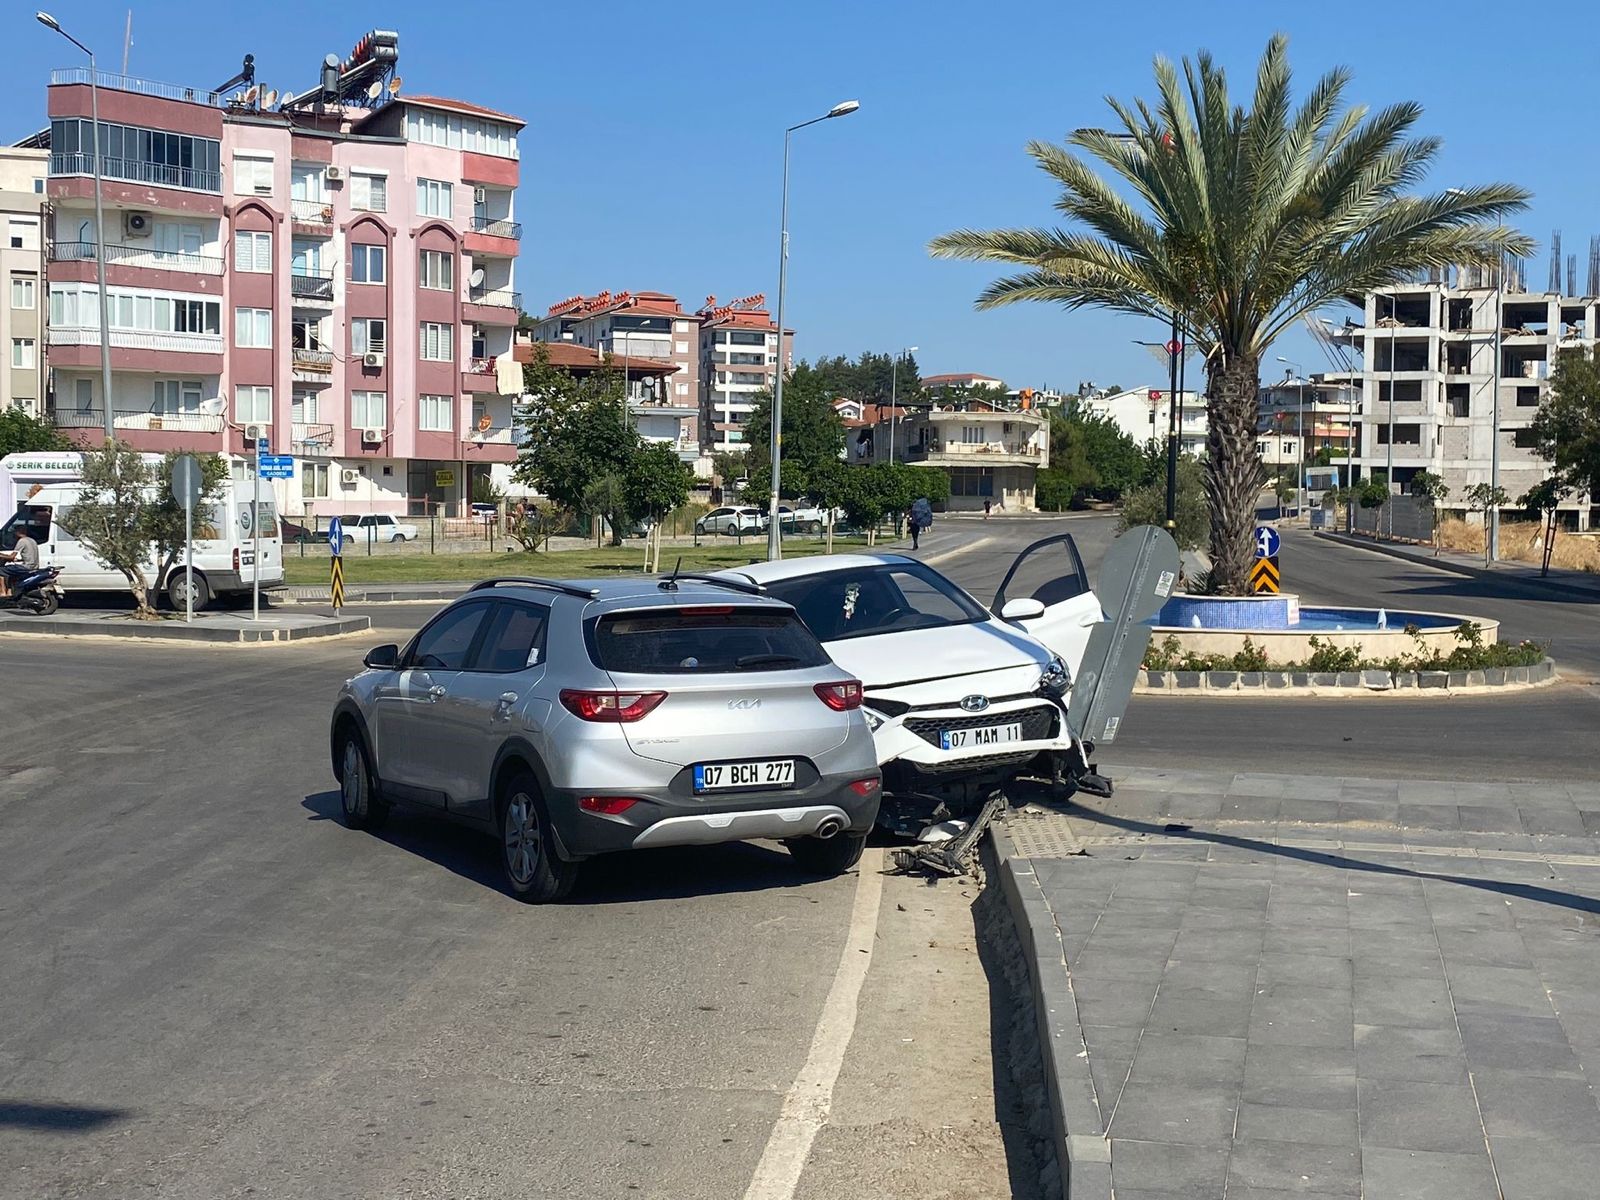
920, 517
987, 504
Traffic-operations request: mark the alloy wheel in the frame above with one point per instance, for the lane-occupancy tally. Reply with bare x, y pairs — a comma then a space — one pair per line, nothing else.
522, 839
353, 782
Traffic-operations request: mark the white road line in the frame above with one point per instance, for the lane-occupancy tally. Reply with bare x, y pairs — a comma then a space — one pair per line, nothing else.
806, 1106
946, 555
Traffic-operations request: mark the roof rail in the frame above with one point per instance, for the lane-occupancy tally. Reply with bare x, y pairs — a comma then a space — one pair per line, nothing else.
669, 583
554, 585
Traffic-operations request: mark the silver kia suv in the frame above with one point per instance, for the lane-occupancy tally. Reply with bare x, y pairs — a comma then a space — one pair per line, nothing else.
577, 717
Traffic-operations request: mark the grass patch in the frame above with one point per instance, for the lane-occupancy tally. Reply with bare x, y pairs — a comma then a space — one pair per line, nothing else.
1523, 541
359, 570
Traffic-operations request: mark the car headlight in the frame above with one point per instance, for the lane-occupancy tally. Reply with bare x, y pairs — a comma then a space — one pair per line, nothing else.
1056, 677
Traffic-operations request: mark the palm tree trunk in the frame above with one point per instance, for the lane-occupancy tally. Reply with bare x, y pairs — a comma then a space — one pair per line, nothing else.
1233, 470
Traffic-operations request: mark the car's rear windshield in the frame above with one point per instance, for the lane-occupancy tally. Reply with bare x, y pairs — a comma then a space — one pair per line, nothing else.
703, 640
880, 598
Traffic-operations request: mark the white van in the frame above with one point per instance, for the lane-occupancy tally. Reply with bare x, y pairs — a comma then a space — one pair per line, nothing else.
224, 549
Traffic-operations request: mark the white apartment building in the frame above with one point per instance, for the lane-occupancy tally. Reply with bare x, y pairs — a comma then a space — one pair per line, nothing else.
24, 302
1429, 348
1300, 416
1144, 413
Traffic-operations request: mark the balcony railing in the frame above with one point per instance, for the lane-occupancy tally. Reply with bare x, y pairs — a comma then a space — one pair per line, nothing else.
497, 228
313, 360
137, 339
310, 439
130, 83
137, 256
135, 170
498, 298
312, 212
312, 285
1017, 449
170, 422
480, 366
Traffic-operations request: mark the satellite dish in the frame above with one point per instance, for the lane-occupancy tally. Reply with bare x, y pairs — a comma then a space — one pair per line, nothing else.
374, 89
271, 98
477, 277
214, 407
394, 86
250, 96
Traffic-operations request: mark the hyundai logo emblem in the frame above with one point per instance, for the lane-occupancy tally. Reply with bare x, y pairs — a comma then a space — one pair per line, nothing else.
975, 703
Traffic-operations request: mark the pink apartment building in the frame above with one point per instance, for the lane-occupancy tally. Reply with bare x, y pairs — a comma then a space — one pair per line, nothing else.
335, 275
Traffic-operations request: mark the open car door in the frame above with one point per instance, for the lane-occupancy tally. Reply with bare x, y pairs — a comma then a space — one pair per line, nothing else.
1046, 592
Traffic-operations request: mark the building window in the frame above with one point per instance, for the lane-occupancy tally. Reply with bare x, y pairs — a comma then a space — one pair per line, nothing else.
137, 154
369, 410
369, 193
683, 390
252, 328
434, 198
24, 233
171, 397
24, 291
971, 481
38, 188
252, 251
437, 270
314, 480
369, 335
252, 174
971, 435
434, 413
436, 342
461, 133
303, 407
252, 405
683, 327
22, 353
78, 306
369, 264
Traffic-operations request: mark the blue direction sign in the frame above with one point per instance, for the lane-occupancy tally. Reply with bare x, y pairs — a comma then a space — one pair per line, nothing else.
1267, 541
335, 536
277, 466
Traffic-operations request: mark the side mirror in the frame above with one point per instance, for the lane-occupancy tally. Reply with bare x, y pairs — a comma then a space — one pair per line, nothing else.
382, 658
1021, 609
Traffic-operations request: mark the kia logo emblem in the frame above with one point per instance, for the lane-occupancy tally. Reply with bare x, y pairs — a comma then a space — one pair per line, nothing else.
975, 703
748, 705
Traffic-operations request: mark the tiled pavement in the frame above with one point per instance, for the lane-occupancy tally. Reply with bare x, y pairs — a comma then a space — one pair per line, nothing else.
1354, 987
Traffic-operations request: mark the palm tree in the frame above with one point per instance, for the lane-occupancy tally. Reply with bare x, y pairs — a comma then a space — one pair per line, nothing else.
1245, 221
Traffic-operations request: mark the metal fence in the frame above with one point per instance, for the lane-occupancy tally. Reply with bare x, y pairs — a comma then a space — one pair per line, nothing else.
1405, 518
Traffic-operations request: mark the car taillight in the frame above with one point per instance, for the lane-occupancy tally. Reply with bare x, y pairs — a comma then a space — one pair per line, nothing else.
236, 558
608, 806
841, 697
618, 707
865, 787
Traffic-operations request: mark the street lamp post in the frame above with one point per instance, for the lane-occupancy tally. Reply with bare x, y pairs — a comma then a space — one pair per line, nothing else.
1174, 351
774, 534
50, 22
894, 394
1300, 429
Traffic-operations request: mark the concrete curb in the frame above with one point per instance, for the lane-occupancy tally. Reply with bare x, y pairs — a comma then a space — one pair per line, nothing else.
321, 596
178, 631
1535, 586
1354, 683
1083, 1154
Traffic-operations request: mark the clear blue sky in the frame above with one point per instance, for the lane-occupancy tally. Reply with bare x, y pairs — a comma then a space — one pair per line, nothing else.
652, 154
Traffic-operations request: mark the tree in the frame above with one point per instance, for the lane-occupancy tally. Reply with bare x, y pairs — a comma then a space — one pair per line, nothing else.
1248, 219
728, 465
1433, 489
1542, 500
1069, 476
1112, 455
1481, 497
21, 432
578, 437
813, 435
656, 482
486, 491
126, 507
1566, 428
1147, 505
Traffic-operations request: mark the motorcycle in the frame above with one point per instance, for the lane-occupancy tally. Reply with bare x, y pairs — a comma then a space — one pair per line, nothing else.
35, 592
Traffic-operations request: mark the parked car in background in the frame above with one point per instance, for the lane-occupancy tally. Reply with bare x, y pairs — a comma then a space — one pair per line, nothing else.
377, 527
960, 697
573, 718
802, 520
732, 520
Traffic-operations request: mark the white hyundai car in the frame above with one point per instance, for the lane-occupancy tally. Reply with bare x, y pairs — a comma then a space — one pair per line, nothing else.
960, 697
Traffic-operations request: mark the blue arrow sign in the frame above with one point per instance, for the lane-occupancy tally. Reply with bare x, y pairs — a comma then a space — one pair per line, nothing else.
1267, 541
335, 536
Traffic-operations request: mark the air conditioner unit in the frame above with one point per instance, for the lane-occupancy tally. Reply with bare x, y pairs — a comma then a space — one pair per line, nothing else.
254, 433
333, 174
136, 224
349, 477
372, 359
372, 437
478, 195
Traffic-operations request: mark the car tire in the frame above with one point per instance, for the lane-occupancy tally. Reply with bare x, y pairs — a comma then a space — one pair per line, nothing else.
814, 528
399, 537
534, 872
358, 786
732, 529
177, 587
827, 856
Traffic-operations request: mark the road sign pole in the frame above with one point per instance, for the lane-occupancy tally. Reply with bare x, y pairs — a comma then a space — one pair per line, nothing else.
188, 561
255, 539
185, 487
